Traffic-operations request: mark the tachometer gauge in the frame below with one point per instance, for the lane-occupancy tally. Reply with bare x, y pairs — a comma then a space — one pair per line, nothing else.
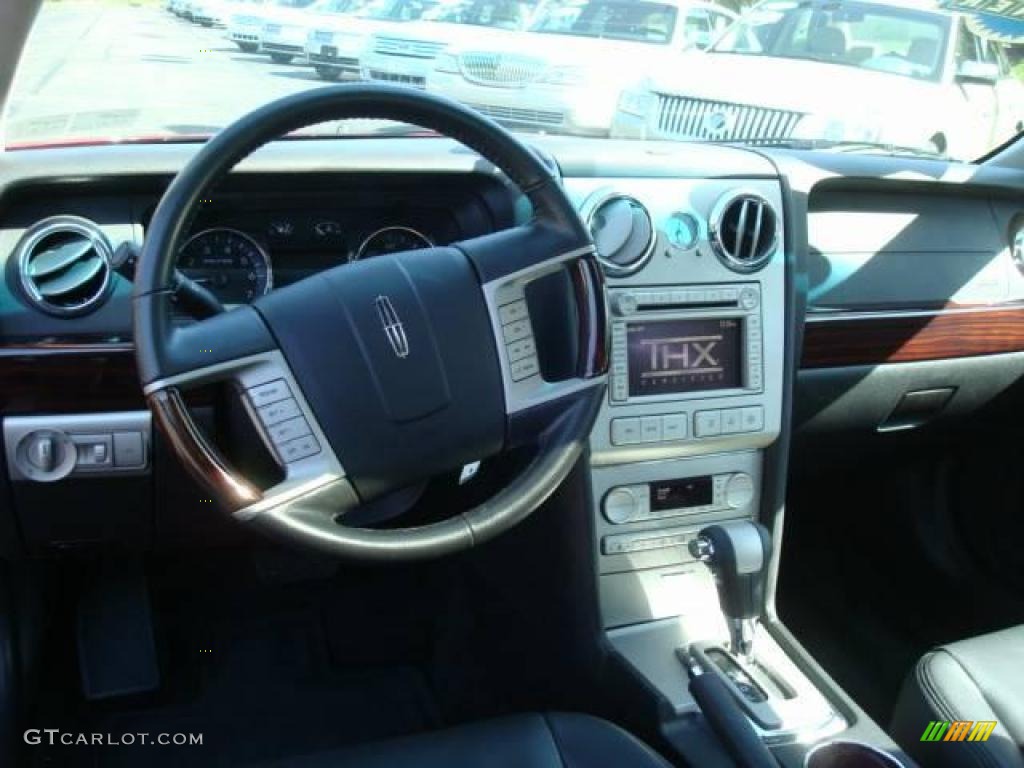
392, 240
229, 263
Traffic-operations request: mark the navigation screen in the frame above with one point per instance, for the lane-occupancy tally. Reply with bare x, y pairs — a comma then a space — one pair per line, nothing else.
672, 356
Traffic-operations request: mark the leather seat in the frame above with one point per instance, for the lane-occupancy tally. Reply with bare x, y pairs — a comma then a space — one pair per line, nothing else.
523, 741
978, 679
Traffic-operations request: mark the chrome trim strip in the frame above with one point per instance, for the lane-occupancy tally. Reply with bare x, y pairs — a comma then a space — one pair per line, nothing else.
68, 350
825, 315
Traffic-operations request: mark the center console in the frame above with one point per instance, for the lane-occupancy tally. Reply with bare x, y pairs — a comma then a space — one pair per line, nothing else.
697, 290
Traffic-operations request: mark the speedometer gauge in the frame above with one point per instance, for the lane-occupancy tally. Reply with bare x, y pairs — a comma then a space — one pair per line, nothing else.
393, 240
233, 266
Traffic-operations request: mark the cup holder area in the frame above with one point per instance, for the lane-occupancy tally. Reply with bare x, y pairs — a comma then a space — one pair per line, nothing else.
849, 754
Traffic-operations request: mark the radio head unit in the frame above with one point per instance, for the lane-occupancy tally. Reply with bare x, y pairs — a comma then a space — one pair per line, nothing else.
675, 344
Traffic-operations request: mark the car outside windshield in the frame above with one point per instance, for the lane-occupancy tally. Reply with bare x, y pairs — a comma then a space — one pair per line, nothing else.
501, 14
897, 77
610, 20
889, 39
395, 10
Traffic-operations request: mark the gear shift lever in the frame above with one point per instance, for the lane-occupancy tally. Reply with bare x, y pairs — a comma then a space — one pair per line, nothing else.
737, 554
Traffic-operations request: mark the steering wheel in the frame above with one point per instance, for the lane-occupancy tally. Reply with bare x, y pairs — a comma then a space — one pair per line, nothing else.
372, 376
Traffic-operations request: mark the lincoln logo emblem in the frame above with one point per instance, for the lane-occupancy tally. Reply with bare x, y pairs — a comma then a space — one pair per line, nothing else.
393, 327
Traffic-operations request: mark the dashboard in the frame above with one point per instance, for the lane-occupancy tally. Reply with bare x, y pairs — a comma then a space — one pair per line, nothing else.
755, 299
741, 285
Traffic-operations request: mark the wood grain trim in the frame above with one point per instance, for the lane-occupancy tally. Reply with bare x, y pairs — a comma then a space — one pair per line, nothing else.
195, 452
903, 337
68, 379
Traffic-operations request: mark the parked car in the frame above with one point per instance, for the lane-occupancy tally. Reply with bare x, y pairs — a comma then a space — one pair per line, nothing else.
285, 32
408, 56
567, 73
245, 27
210, 13
909, 75
335, 46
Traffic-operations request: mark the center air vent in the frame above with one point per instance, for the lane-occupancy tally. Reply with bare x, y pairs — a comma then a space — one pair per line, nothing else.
744, 231
622, 231
64, 265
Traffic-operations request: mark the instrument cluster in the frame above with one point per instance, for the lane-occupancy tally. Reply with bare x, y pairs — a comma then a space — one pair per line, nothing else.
243, 257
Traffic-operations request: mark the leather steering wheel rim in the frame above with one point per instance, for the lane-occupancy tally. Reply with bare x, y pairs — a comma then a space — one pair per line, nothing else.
257, 349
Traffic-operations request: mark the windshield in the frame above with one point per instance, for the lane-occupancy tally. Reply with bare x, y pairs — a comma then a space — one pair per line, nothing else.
611, 19
931, 78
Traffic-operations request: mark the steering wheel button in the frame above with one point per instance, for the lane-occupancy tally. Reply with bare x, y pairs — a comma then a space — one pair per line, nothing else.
288, 430
517, 350
524, 369
520, 329
299, 448
275, 413
268, 393
509, 313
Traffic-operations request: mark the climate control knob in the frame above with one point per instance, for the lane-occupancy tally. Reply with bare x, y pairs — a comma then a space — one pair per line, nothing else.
739, 490
620, 506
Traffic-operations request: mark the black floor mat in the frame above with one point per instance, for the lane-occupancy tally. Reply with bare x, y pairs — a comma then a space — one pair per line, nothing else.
254, 671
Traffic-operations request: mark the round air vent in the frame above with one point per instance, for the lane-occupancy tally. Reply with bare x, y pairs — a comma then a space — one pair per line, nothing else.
64, 265
622, 230
744, 230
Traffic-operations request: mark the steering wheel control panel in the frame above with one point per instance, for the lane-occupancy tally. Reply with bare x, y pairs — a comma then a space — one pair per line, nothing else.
45, 449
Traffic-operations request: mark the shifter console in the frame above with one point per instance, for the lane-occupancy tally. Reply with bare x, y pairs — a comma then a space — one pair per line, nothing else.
738, 554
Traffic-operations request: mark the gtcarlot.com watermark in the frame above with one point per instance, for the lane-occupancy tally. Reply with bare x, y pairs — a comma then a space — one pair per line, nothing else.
53, 737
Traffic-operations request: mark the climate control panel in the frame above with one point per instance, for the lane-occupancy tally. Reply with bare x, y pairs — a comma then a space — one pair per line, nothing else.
676, 497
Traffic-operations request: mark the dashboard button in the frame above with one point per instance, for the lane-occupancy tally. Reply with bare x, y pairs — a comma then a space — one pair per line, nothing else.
299, 448
93, 450
625, 431
749, 298
278, 412
732, 421
650, 429
673, 426
517, 350
520, 329
509, 313
288, 430
268, 393
708, 423
129, 450
524, 369
753, 419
